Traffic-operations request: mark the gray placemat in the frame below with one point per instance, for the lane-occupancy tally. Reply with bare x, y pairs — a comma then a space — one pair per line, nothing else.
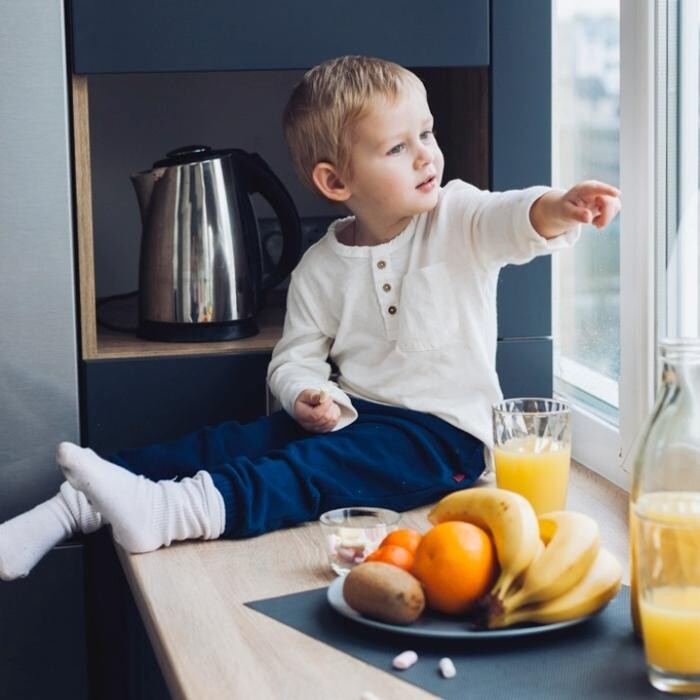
598, 659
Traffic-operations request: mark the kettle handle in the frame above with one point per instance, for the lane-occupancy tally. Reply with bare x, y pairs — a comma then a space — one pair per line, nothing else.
261, 179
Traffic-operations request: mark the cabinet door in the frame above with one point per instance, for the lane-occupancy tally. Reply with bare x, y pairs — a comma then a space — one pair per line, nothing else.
140, 36
524, 367
521, 157
132, 403
42, 628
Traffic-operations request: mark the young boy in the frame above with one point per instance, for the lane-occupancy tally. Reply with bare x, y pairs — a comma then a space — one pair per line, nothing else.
400, 296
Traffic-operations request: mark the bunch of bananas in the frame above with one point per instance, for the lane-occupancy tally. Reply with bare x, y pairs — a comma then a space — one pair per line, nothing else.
552, 568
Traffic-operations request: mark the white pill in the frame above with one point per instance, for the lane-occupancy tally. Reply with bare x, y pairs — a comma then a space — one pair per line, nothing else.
447, 668
405, 660
350, 537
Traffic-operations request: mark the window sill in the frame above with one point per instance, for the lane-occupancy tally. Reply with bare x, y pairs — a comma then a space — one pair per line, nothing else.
596, 446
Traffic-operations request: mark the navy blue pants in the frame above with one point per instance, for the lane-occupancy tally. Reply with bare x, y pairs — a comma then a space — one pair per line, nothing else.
272, 473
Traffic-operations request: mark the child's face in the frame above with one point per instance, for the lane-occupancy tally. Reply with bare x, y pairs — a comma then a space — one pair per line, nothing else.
396, 165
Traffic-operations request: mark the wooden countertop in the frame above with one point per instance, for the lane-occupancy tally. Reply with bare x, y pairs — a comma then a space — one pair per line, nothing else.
209, 645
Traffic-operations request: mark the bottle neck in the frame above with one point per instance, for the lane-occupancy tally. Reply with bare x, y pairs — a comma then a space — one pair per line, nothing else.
668, 456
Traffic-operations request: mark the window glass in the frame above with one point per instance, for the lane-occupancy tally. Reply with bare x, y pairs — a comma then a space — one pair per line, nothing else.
586, 279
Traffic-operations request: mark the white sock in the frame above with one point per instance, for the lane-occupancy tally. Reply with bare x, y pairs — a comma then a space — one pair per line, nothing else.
26, 538
145, 514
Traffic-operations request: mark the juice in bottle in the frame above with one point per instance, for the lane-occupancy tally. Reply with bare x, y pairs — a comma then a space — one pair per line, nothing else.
666, 531
671, 622
537, 468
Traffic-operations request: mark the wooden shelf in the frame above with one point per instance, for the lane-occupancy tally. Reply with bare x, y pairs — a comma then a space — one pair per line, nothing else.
113, 345
99, 343
455, 91
83, 215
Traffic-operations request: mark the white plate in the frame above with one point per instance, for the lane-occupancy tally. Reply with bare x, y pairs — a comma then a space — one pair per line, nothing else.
433, 625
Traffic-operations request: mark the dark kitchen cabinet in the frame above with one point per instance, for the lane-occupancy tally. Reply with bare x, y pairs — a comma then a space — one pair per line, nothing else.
142, 36
136, 402
493, 119
487, 66
521, 153
42, 628
133, 403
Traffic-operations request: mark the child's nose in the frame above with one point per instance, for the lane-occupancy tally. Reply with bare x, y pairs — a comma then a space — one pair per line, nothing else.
424, 156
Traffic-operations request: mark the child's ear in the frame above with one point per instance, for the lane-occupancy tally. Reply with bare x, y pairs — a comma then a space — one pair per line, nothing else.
329, 182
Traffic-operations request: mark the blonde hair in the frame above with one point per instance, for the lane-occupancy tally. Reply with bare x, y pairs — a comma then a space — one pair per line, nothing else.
329, 100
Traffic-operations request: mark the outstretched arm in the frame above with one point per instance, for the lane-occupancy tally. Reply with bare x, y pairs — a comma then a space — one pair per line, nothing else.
589, 202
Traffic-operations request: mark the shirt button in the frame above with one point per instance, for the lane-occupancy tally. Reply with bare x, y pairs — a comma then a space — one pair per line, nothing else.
386, 287
381, 264
392, 310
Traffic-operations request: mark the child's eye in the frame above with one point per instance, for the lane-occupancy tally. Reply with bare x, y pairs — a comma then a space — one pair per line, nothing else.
426, 135
396, 149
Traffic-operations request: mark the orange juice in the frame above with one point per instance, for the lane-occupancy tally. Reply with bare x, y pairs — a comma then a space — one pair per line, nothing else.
666, 572
671, 628
537, 468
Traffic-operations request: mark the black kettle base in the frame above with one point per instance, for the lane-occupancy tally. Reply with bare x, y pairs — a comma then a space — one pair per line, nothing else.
197, 332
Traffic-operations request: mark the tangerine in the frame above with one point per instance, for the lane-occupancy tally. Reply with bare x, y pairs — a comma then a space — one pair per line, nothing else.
392, 554
403, 537
456, 563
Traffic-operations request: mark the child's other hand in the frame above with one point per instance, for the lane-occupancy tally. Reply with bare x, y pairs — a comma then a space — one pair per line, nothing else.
314, 414
591, 202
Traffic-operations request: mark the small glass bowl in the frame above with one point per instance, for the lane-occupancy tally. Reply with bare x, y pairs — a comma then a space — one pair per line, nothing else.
349, 534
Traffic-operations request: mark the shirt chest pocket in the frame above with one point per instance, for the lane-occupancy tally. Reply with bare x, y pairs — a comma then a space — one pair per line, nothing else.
428, 316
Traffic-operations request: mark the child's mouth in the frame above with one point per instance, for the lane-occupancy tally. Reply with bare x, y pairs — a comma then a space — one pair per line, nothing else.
427, 185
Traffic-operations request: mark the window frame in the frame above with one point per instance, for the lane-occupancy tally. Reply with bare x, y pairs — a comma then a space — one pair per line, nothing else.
598, 444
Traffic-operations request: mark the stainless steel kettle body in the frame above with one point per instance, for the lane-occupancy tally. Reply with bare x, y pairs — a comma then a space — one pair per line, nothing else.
200, 272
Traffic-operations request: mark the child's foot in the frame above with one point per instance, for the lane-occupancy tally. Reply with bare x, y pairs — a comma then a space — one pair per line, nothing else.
25, 539
144, 514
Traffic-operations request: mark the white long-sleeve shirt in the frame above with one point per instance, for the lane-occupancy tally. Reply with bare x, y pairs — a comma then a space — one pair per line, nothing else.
410, 322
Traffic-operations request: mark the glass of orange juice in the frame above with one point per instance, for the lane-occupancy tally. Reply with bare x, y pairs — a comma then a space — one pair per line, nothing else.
667, 556
532, 450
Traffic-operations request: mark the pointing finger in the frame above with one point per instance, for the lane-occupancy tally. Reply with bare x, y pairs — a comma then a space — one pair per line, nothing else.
592, 188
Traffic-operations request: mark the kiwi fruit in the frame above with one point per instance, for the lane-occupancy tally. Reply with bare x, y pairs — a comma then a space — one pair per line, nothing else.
384, 592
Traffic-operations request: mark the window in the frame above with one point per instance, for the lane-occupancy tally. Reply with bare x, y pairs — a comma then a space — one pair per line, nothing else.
586, 146
586, 280
647, 268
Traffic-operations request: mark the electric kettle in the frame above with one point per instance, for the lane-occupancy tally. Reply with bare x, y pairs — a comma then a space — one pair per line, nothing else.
200, 269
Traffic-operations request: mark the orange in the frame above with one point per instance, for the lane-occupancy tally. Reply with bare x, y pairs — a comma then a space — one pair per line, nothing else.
404, 537
456, 563
392, 554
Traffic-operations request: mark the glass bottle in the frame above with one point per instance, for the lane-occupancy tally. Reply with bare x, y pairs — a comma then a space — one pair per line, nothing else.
665, 491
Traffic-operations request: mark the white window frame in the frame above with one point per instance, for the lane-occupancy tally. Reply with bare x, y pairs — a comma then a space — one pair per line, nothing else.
682, 310
598, 444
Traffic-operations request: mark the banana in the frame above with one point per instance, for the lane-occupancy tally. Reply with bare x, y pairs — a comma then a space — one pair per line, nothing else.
599, 585
572, 541
507, 516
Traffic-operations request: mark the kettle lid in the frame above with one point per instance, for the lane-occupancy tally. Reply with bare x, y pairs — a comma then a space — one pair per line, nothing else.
190, 154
